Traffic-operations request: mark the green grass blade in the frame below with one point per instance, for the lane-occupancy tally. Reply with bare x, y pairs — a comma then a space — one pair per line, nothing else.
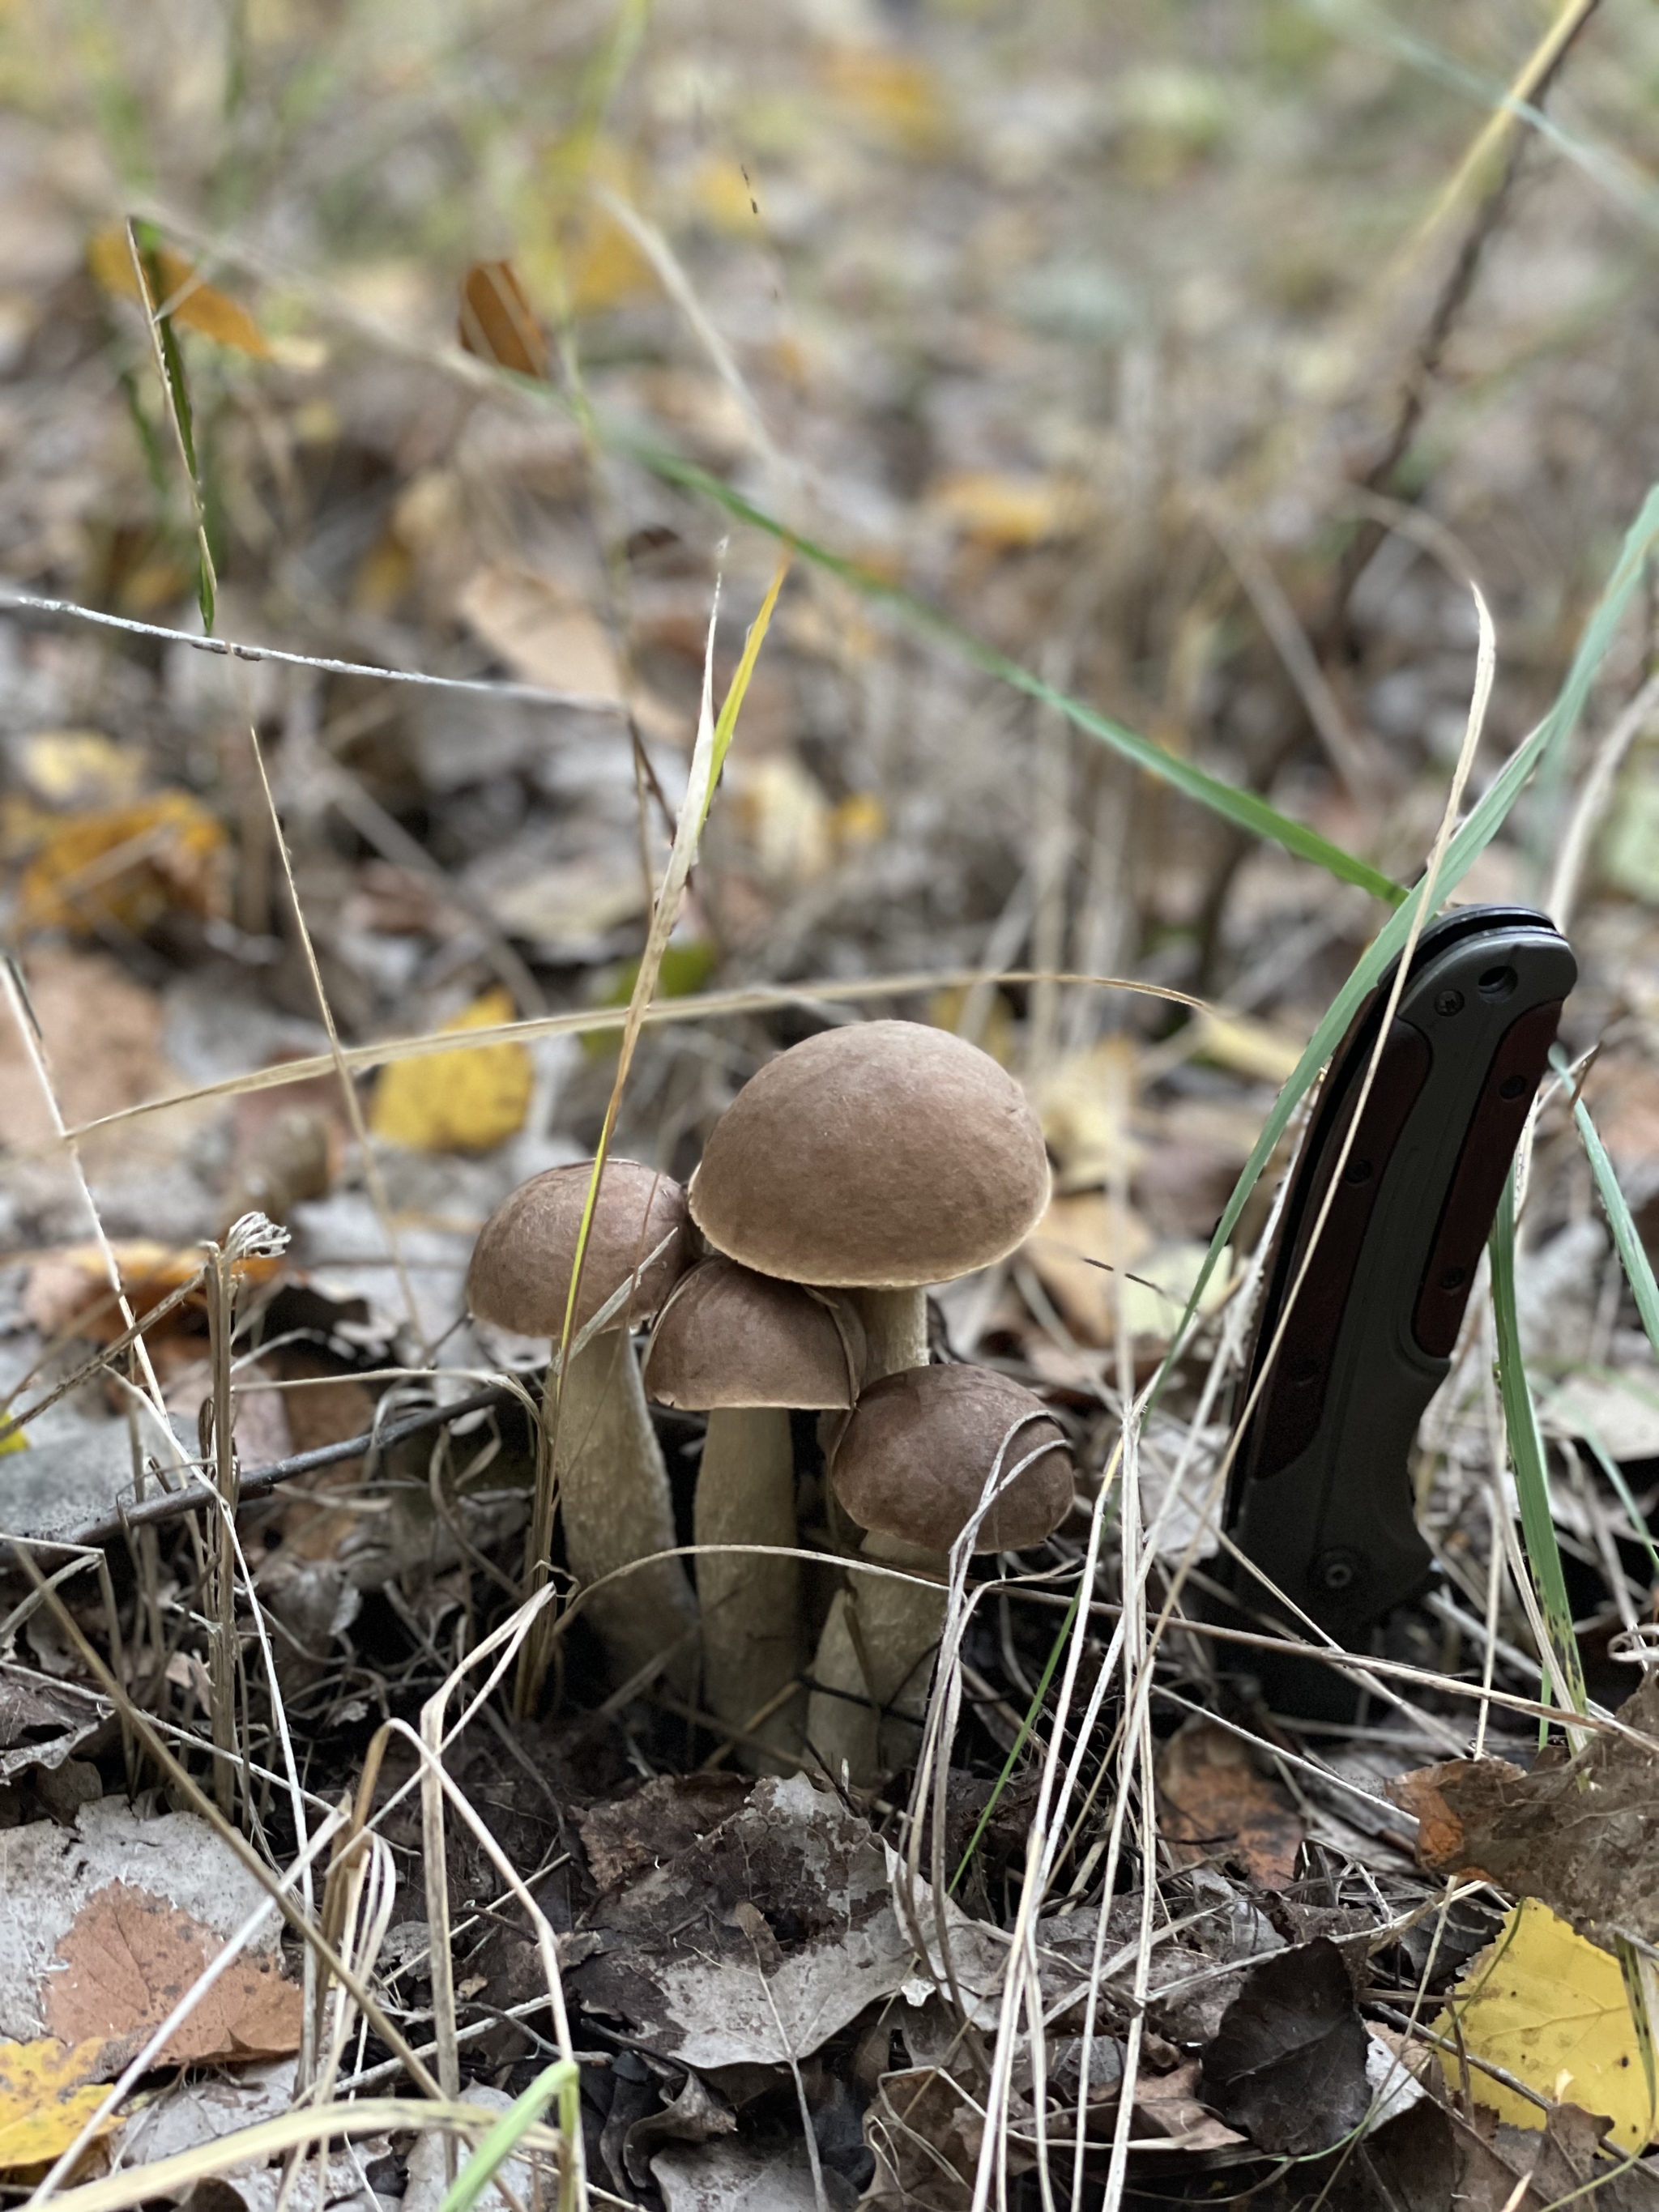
1242, 808
1638, 1268
1477, 831
560, 2080
1609, 1466
1020, 1741
1527, 1456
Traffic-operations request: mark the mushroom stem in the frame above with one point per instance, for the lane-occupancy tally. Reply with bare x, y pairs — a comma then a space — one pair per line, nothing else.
877, 1649
894, 1330
750, 1605
616, 1508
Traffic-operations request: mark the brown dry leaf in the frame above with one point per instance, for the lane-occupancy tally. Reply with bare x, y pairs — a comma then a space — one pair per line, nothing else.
202, 306
48, 2092
542, 631
70, 1288
1075, 1248
131, 1956
1580, 1834
1213, 1802
125, 866
1168, 2105
497, 321
102, 1035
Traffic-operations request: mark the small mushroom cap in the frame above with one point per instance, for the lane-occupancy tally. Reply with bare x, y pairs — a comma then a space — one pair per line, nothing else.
519, 1278
882, 1156
730, 1337
915, 1459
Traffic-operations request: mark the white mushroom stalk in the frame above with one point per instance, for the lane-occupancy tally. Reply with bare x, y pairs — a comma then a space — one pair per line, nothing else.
614, 1503
745, 1348
928, 1458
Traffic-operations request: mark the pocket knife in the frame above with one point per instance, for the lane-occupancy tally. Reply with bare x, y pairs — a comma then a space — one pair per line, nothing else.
1319, 1497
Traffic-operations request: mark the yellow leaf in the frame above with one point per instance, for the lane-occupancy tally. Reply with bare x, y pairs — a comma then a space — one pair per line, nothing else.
894, 96
457, 1102
782, 814
1084, 1102
47, 2098
1551, 2009
603, 266
723, 196
1248, 1047
1007, 512
127, 866
858, 819
12, 1439
78, 768
185, 296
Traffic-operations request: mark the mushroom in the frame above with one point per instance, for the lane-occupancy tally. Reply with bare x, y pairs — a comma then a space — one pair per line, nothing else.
613, 1487
745, 1348
876, 1159
913, 1466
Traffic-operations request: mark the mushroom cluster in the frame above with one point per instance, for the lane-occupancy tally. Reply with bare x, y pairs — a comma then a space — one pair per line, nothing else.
851, 1173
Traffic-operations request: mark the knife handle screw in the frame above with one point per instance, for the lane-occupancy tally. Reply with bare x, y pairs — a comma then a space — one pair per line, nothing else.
1358, 1172
1450, 1002
1453, 1278
1512, 1086
1337, 1570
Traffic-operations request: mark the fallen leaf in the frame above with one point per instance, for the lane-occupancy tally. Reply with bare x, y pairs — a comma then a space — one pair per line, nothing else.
603, 266
1171, 2105
50, 1872
1214, 1802
497, 321
43, 1722
124, 868
896, 95
48, 2092
542, 631
131, 1956
1084, 1102
1248, 1048
1008, 514
1550, 2008
103, 1037
1581, 1833
780, 813
186, 297
770, 1932
78, 770
457, 1102
69, 1288
1287, 2065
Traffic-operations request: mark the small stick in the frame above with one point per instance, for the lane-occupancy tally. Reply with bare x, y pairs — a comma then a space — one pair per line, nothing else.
259, 1481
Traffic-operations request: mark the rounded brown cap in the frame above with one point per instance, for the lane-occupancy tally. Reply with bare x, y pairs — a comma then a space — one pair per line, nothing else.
915, 1459
519, 1278
730, 1337
882, 1156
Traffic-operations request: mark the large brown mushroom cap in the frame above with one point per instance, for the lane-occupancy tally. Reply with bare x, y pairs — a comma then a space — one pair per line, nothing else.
915, 1459
882, 1156
519, 1278
729, 1337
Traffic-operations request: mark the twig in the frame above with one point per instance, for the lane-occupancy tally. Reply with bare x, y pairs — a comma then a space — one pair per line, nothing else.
258, 1482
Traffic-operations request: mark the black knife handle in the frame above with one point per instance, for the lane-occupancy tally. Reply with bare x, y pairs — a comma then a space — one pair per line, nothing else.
1319, 1497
